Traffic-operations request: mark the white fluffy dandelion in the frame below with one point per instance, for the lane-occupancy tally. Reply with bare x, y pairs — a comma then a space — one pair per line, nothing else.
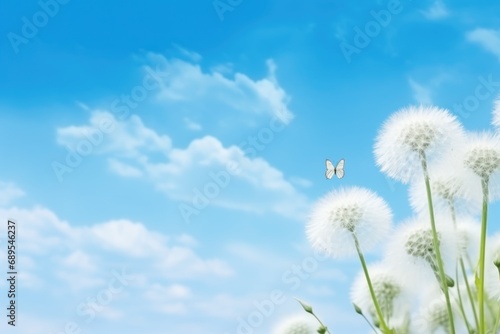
412, 256
410, 132
389, 291
451, 190
433, 317
346, 212
481, 157
468, 237
297, 324
492, 274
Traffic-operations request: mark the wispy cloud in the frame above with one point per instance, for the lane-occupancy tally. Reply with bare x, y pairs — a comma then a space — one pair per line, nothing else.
436, 11
489, 39
186, 86
176, 171
9, 192
421, 94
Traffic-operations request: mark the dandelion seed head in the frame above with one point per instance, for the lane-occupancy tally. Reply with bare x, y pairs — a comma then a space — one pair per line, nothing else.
482, 154
450, 187
420, 244
296, 324
468, 236
418, 137
483, 161
492, 274
411, 254
410, 132
342, 213
437, 315
388, 290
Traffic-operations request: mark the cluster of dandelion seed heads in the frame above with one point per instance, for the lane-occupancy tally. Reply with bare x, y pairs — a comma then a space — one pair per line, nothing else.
483, 161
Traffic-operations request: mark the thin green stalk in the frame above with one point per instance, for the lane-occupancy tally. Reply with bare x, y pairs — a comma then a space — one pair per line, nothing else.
327, 330
380, 316
469, 293
369, 323
482, 255
497, 323
451, 203
436, 242
461, 305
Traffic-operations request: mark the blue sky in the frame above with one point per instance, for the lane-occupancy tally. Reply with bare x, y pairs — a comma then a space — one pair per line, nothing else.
170, 93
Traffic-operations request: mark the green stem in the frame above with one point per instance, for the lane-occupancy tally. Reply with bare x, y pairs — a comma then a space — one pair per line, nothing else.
436, 242
369, 323
460, 303
327, 330
469, 292
497, 323
451, 203
383, 325
482, 254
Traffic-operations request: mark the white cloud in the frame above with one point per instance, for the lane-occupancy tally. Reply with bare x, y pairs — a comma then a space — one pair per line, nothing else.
421, 93
186, 86
172, 299
123, 169
489, 39
124, 139
202, 169
9, 192
191, 125
436, 11
81, 253
119, 235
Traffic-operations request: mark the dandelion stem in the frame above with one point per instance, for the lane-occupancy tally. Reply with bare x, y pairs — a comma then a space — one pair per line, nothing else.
436, 241
482, 253
383, 325
321, 323
469, 292
451, 203
369, 323
461, 305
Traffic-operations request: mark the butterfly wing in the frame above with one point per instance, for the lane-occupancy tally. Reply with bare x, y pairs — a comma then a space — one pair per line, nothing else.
330, 169
339, 170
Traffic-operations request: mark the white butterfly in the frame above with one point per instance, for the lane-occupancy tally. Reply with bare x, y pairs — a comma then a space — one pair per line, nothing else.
331, 169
